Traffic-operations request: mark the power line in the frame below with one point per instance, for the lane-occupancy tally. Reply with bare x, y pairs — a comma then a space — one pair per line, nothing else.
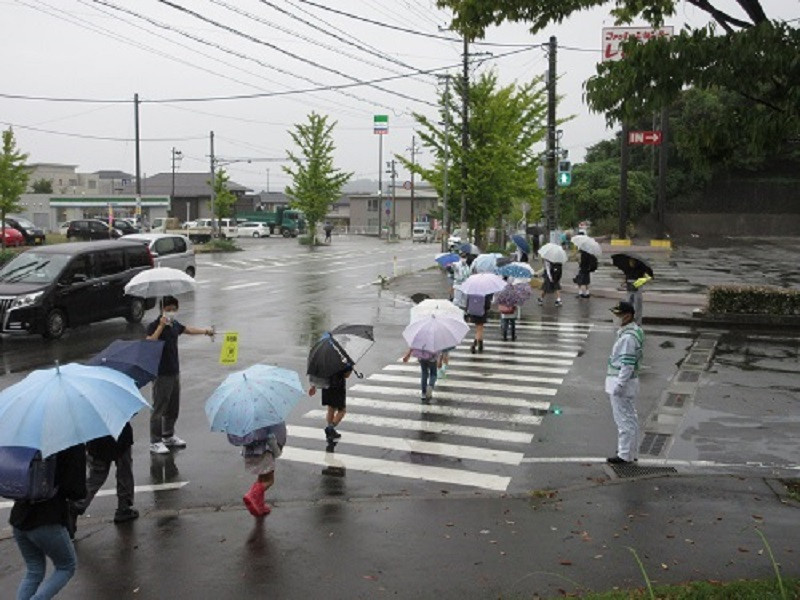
100, 137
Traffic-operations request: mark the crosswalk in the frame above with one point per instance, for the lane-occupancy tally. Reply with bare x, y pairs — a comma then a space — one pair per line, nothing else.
473, 433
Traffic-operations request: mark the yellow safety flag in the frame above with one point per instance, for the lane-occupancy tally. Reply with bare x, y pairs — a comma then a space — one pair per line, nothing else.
641, 281
229, 354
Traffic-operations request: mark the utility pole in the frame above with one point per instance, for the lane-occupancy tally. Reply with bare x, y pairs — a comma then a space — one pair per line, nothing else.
392, 174
550, 165
623, 184
138, 157
177, 155
661, 205
464, 139
445, 223
213, 194
414, 151
380, 185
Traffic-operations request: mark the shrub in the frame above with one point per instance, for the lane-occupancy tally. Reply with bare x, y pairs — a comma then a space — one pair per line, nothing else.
753, 300
6, 254
218, 245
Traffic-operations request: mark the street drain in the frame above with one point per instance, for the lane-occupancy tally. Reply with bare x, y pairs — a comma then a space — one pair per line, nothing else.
697, 358
705, 343
653, 443
688, 376
675, 400
634, 470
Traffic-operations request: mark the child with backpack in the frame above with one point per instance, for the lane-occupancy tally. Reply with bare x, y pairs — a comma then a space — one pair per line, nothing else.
478, 313
586, 266
335, 398
551, 281
428, 363
260, 448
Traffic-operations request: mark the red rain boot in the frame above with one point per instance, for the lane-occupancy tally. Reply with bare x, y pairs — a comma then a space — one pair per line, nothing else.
254, 499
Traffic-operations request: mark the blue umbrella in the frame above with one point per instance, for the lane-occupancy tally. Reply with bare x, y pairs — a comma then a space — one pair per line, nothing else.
486, 263
521, 243
516, 270
54, 409
259, 396
138, 359
447, 258
469, 249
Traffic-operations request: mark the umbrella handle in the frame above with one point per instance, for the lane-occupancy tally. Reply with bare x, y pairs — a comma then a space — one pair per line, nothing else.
358, 375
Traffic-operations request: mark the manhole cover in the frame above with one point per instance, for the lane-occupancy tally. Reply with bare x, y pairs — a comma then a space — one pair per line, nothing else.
634, 470
675, 400
697, 359
688, 376
653, 443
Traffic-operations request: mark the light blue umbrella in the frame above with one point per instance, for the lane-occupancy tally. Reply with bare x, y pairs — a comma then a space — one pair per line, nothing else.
516, 270
257, 397
53, 409
486, 263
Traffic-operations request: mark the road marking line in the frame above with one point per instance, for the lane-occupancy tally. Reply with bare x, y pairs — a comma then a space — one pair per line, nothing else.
496, 387
242, 285
506, 351
416, 446
139, 489
364, 388
558, 333
529, 344
508, 367
478, 377
398, 469
487, 433
450, 411
476, 359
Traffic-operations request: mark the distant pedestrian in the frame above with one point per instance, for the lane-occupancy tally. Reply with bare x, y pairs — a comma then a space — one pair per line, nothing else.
536, 240
328, 231
586, 266
622, 382
551, 281
100, 454
167, 386
478, 313
260, 448
428, 364
335, 398
461, 272
41, 529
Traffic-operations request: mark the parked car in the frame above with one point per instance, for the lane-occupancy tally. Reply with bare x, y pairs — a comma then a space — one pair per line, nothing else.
421, 233
124, 225
252, 229
168, 250
46, 290
33, 235
13, 237
91, 229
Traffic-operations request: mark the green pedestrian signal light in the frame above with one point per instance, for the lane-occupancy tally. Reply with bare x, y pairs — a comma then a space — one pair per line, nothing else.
564, 178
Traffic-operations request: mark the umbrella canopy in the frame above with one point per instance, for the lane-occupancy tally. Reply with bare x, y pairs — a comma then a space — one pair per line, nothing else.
486, 263
435, 333
54, 409
138, 359
482, 284
587, 244
447, 258
553, 253
339, 349
469, 249
161, 281
513, 294
516, 270
633, 265
506, 260
440, 308
259, 396
521, 243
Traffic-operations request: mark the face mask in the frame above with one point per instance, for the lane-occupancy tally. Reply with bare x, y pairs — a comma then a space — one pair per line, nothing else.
170, 314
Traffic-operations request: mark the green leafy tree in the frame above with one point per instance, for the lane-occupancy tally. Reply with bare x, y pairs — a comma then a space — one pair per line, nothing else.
42, 186
13, 179
224, 199
751, 57
316, 183
505, 123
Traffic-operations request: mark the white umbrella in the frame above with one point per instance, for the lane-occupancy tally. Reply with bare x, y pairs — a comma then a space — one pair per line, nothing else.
161, 281
587, 244
435, 333
482, 284
433, 306
553, 253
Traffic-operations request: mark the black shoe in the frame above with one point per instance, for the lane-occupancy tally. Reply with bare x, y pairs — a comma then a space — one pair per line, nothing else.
473, 347
505, 337
616, 460
123, 515
335, 435
480, 346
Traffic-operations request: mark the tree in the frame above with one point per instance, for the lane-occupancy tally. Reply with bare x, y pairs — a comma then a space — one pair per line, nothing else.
504, 125
224, 199
316, 183
750, 57
42, 186
13, 179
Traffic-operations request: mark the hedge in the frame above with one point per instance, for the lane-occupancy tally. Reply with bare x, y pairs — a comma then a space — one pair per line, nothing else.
753, 300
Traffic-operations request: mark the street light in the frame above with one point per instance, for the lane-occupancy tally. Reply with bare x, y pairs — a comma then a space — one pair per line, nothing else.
177, 156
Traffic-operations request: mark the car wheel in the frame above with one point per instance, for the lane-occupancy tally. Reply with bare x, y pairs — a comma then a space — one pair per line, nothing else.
256, 234
190, 271
135, 311
55, 324
286, 233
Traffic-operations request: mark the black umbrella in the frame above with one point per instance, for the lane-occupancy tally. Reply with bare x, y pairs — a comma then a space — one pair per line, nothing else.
633, 265
419, 297
139, 359
338, 350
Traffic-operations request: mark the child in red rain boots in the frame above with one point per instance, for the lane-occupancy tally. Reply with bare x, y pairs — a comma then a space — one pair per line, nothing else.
260, 449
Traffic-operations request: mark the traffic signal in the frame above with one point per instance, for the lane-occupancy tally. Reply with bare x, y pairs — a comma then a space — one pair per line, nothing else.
564, 173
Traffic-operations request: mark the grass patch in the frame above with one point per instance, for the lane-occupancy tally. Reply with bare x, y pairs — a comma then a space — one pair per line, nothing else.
709, 590
55, 238
218, 245
793, 488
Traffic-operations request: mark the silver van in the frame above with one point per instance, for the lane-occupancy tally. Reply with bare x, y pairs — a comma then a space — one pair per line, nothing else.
168, 250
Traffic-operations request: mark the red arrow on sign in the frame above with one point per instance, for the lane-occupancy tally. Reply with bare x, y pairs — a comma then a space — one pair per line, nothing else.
649, 138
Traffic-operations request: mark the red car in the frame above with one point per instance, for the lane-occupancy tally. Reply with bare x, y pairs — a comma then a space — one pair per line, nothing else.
13, 237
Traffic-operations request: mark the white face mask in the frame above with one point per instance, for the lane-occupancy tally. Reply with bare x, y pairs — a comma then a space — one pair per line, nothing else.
170, 314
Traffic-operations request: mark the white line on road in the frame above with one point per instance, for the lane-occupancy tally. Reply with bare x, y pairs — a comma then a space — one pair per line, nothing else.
242, 285
497, 435
477, 385
419, 446
139, 489
477, 359
449, 411
364, 388
474, 375
507, 351
520, 366
398, 469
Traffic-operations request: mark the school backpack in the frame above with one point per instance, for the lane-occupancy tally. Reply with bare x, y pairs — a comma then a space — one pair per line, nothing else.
476, 305
592, 263
422, 354
25, 475
555, 271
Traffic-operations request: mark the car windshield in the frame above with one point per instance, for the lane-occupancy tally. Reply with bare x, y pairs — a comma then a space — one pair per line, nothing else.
24, 223
34, 267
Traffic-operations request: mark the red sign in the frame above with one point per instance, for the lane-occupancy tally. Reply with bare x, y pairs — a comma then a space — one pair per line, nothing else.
614, 36
648, 138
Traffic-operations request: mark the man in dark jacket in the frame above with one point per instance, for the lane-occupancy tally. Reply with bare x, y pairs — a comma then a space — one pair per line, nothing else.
40, 528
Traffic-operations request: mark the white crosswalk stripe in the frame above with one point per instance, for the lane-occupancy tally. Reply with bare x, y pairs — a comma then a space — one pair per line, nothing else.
476, 428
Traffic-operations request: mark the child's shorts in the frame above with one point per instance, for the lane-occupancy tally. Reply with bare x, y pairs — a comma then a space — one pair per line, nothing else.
260, 465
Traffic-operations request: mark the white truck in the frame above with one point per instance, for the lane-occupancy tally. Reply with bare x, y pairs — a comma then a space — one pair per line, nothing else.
200, 231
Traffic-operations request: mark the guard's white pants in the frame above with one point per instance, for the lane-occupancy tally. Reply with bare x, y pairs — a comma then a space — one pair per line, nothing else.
624, 410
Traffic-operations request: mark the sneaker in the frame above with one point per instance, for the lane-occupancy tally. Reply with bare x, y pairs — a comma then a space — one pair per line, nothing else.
158, 448
123, 515
429, 393
616, 460
558, 303
174, 441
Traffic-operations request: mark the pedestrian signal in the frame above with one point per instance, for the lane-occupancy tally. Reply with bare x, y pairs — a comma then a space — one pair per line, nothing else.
564, 178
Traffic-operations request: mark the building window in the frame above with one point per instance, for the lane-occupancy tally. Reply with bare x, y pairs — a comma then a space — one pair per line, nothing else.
92, 184
372, 204
73, 182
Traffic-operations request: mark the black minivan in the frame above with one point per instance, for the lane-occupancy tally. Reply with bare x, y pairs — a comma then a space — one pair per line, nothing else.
47, 289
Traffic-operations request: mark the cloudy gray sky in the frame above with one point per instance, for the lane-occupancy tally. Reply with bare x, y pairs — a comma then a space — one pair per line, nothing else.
92, 50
